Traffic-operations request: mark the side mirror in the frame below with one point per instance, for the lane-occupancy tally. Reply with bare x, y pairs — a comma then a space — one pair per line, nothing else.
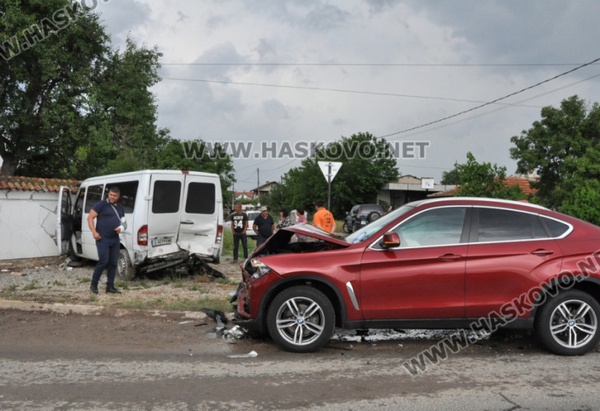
390, 240
347, 213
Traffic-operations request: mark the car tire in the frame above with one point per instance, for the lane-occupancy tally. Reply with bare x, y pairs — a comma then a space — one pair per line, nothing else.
347, 228
568, 324
373, 216
125, 270
289, 326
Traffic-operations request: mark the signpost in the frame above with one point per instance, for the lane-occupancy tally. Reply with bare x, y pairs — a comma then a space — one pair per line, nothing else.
329, 170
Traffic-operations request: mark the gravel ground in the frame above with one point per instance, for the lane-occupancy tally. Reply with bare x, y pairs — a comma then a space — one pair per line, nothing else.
168, 289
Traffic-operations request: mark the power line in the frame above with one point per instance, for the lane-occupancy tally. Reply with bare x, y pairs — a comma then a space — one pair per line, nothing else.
493, 101
498, 109
373, 93
378, 64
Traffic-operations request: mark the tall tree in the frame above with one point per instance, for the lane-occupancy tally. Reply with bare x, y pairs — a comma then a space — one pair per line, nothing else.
367, 164
451, 177
485, 180
45, 79
563, 147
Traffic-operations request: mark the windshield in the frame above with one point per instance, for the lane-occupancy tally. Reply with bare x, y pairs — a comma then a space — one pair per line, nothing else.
367, 231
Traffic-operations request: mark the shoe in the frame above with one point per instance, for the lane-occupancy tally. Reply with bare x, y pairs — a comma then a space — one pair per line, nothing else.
112, 290
94, 288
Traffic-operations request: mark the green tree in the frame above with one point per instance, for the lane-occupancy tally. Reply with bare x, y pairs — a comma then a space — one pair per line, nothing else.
485, 180
563, 147
584, 202
45, 79
367, 164
451, 177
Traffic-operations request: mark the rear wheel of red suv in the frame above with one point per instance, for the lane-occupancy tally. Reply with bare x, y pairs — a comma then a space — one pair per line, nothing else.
301, 319
568, 323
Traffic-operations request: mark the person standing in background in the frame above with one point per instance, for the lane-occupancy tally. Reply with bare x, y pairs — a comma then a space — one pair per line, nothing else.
323, 219
239, 225
263, 226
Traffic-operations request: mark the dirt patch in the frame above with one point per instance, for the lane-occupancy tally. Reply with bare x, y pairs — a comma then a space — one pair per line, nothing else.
167, 289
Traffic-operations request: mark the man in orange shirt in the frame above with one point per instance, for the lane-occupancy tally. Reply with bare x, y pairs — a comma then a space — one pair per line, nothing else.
323, 219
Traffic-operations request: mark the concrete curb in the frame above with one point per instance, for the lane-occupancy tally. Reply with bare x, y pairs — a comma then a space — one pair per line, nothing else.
95, 310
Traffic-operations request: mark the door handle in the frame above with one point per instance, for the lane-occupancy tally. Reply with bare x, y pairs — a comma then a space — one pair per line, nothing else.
541, 252
187, 222
450, 257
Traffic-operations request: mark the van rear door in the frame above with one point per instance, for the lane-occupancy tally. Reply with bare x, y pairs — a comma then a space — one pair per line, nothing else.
200, 215
164, 214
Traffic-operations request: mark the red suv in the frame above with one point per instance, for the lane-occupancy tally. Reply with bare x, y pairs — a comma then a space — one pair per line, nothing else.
445, 263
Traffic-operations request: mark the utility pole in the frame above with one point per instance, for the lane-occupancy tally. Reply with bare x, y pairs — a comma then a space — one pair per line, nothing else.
233, 197
258, 184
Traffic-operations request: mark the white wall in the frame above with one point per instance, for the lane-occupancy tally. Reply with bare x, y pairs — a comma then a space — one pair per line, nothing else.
27, 224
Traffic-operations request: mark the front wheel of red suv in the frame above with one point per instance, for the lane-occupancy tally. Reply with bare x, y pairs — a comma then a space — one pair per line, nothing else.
301, 319
568, 323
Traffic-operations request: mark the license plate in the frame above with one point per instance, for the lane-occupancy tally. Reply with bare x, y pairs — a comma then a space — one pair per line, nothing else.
160, 241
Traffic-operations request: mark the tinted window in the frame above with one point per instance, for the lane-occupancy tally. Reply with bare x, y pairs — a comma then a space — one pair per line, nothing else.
556, 228
94, 194
434, 227
505, 225
128, 193
200, 198
165, 198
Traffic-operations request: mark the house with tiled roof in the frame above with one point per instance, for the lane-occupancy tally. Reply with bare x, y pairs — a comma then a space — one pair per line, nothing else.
522, 182
28, 216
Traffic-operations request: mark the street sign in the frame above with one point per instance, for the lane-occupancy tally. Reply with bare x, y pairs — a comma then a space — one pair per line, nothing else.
329, 169
427, 183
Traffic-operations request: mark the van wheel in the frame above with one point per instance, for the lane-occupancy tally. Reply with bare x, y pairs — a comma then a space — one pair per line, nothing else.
301, 319
568, 323
125, 270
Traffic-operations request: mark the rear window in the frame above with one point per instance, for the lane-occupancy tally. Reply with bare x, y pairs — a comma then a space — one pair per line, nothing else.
252, 216
200, 198
556, 227
93, 195
128, 191
166, 196
505, 225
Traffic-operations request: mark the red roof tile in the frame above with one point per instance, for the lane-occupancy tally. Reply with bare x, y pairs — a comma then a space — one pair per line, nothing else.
43, 185
510, 181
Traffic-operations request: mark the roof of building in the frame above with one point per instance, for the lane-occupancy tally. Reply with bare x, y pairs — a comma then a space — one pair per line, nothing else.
522, 182
248, 194
44, 185
268, 183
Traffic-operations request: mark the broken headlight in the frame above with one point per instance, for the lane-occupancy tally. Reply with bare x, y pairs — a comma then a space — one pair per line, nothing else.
259, 268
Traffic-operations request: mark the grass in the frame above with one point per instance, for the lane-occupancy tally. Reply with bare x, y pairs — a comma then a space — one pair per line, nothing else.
226, 281
196, 288
59, 284
11, 288
228, 244
83, 280
122, 284
31, 286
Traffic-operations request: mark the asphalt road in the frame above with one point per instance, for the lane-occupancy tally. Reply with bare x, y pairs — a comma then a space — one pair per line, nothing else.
74, 362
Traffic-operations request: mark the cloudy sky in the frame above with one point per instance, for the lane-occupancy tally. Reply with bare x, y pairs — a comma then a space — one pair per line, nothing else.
317, 70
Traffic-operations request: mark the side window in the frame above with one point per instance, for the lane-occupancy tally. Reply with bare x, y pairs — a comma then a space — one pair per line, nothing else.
556, 228
505, 225
165, 198
442, 226
200, 198
93, 195
128, 191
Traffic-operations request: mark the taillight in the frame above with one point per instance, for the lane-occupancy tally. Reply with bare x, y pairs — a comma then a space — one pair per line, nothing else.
143, 235
219, 235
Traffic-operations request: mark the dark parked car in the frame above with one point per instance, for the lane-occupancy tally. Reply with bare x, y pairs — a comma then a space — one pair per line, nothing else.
446, 263
361, 215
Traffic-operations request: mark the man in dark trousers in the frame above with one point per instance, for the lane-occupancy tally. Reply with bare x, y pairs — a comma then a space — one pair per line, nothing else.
239, 225
110, 217
263, 226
